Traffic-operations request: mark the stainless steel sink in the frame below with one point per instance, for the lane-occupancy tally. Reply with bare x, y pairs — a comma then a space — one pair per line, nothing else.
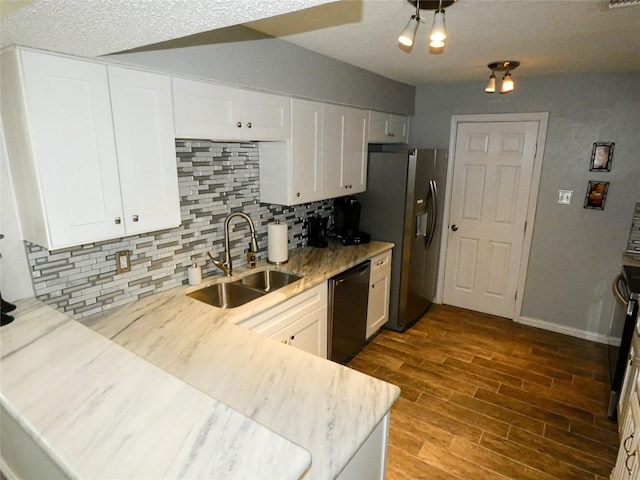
226, 295
269, 280
244, 290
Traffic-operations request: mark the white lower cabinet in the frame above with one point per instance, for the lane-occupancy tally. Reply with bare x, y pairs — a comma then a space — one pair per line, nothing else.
379, 288
300, 321
628, 462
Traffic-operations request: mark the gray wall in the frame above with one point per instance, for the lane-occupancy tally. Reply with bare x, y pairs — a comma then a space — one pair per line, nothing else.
244, 57
576, 252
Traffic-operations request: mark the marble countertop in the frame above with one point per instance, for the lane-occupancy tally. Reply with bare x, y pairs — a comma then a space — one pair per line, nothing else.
326, 408
99, 411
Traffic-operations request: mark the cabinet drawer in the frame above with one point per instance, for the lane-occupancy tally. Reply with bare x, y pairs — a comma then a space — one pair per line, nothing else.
380, 262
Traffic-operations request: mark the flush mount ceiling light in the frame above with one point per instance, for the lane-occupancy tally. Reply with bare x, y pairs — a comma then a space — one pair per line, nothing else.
505, 66
438, 30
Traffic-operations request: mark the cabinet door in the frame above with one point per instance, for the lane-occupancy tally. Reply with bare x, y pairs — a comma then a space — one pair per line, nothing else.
398, 128
378, 307
627, 464
630, 376
378, 122
265, 116
74, 155
309, 333
206, 110
145, 143
306, 151
356, 150
344, 151
334, 167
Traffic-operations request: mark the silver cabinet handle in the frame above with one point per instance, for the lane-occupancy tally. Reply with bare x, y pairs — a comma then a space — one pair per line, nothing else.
135, 218
249, 125
239, 124
117, 220
391, 134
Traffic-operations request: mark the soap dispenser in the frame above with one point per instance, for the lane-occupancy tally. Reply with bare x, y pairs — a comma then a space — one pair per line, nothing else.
194, 273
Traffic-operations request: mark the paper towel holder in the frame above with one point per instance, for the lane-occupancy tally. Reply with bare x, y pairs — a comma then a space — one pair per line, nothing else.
269, 245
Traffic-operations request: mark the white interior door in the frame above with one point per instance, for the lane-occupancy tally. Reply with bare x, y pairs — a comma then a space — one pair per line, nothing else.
492, 179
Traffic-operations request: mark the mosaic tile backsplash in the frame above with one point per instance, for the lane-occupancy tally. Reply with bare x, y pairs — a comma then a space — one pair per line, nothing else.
215, 179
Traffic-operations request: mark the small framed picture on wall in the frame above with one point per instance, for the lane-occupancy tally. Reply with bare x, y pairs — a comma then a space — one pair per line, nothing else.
601, 157
596, 195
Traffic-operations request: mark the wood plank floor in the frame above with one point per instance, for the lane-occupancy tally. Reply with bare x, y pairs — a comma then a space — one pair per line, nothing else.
486, 398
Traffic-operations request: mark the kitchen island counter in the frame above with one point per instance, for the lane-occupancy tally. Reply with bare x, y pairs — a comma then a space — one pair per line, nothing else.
75, 405
324, 407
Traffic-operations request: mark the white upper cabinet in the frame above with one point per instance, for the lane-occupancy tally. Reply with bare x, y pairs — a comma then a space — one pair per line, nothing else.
59, 128
388, 128
325, 158
145, 146
290, 172
344, 152
217, 112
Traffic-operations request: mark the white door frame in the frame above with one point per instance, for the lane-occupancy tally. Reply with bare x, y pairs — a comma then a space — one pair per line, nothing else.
543, 119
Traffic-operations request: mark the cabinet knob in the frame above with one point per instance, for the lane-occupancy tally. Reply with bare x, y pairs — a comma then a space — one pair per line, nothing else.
117, 220
239, 124
249, 125
298, 194
293, 337
391, 134
135, 218
454, 228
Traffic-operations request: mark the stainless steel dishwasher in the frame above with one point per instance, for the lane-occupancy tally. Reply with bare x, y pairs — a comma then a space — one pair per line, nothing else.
348, 299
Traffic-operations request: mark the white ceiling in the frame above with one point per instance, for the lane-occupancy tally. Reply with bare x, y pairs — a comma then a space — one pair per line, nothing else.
546, 36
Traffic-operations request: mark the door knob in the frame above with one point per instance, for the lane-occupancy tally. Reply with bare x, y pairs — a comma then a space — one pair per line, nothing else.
454, 228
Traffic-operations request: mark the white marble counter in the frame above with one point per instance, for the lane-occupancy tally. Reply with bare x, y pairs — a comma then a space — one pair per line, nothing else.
326, 408
99, 411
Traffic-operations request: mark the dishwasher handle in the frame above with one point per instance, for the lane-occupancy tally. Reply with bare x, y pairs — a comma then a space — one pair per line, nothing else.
354, 272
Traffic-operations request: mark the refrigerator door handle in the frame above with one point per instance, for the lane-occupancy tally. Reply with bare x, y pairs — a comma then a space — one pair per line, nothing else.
433, 191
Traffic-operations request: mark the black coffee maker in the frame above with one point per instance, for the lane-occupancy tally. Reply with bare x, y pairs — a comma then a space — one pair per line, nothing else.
316, 227
346, 222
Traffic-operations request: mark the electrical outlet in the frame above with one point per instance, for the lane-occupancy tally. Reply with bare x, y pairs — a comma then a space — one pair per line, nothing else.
123, 261
564, 197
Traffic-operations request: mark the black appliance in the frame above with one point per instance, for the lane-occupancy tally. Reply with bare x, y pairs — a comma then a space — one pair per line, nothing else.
347, 312
627, 289
316, 228
346, 222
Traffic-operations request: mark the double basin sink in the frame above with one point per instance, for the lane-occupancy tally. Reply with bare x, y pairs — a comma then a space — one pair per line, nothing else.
241, 291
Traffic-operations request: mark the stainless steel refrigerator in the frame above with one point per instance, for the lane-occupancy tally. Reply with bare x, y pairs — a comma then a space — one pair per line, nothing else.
403, 204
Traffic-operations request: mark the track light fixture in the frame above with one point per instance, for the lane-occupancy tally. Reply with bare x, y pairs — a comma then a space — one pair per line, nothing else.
438, 30
506, 85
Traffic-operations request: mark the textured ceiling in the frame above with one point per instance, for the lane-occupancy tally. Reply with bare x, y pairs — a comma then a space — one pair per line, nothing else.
546, 36
98, 27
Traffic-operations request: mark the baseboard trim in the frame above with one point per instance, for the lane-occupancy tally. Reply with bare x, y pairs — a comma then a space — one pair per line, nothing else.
573, 332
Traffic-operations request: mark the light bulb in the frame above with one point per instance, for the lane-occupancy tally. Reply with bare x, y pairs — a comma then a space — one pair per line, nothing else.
436, 44
408, 35
438, 31
507, 83
491, 86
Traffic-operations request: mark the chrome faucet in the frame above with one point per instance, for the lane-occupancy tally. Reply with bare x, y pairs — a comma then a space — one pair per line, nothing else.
226, 266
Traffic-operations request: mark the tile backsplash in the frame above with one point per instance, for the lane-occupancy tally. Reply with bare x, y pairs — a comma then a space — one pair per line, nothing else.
215, 179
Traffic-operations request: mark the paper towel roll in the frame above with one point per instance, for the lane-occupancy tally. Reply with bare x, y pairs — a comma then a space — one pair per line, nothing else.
277, 243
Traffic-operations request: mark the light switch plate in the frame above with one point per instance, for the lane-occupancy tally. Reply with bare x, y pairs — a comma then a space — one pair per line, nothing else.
564, 197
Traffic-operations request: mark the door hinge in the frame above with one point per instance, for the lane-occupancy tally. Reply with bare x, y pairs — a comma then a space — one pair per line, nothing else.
515, 297
525, 226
